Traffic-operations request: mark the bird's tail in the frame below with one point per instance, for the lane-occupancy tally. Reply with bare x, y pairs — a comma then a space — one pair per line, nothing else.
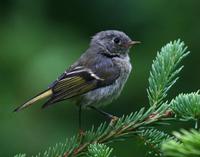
30, 102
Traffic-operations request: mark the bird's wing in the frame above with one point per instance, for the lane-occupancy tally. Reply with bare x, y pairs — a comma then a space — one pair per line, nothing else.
80, 80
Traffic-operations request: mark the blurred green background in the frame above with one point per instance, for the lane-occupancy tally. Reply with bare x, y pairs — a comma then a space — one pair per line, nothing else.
39, 39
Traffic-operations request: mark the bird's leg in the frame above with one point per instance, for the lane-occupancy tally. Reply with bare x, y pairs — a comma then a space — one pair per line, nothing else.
79, 117
111, 117
81, 132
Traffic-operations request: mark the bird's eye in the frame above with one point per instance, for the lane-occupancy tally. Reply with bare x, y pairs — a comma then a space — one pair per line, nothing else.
117, 40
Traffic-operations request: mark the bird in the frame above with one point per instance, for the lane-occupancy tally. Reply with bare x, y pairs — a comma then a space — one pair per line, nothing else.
96, 78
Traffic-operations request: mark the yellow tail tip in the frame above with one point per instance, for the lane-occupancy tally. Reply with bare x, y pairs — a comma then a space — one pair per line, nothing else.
40, 96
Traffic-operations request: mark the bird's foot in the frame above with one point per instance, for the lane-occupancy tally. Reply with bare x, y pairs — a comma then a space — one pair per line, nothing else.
81, 135
81, 132
113, 120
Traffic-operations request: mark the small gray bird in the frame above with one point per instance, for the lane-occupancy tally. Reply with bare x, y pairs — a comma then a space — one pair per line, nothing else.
96, 78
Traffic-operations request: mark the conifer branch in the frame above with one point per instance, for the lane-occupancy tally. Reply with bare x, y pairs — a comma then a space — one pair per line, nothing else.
124, 127
187, 107
164, 70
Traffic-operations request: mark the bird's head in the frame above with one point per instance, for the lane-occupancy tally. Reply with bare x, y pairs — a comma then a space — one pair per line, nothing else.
113, 41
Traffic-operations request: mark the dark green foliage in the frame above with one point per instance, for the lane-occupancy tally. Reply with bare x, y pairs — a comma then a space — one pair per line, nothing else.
60, 149
99, 150
20, 155
154, 138
189, 145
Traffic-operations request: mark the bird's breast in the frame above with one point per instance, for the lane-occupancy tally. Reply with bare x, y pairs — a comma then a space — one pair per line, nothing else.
105, 95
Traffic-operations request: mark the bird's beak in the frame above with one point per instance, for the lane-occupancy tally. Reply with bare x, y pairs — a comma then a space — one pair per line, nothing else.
131, 43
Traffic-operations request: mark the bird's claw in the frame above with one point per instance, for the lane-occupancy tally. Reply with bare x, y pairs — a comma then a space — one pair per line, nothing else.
113, 120
81, 134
